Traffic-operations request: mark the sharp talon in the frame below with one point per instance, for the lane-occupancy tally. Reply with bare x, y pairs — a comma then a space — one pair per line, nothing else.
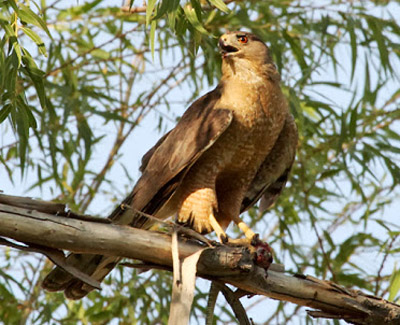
215, 243
255, 240
224, 239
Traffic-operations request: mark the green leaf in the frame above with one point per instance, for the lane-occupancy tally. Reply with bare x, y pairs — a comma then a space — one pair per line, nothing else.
376, 26
17, 50
394, 285
220, 5
87, 7
353, 279
295, 45
36, 38
101, 54
27, 15
353, 45
167, 6
111, 116
3, 18
348, 247
153, 27
85, 132
353, 122
367, 85
13, 4
5, 111
149, 10
37, 77
9, 31
172, 17
193, 19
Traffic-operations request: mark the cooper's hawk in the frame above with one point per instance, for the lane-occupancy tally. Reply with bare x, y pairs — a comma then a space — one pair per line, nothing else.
232, 147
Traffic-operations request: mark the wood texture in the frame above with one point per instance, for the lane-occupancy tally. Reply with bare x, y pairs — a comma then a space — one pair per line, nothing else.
232, 265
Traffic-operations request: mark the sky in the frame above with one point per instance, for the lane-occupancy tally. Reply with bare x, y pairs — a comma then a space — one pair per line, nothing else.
147, 134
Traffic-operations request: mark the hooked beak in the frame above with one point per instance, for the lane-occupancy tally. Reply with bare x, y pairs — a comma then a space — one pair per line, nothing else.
225, 48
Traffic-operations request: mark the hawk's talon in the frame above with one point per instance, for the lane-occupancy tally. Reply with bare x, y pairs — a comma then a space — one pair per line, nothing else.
195, 160
255, 240
224, 238
238, 242
215, 243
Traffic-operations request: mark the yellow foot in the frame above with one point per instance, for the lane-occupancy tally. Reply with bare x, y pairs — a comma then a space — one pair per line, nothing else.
251, 237
250, 234
218, 229
261, 251
241, 241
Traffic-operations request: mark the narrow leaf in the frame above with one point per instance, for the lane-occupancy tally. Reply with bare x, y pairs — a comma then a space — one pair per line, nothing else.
220, 5
376, 27
353, 44
193, 19
4, 112
394, 285
27, 15
153, 27
36, 38
149, 10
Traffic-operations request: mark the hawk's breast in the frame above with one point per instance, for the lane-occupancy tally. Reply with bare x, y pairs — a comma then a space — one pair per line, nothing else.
259, 111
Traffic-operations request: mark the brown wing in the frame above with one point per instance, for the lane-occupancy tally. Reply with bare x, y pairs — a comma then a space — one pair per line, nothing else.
274, 171
163, 168
164, 165
146, 157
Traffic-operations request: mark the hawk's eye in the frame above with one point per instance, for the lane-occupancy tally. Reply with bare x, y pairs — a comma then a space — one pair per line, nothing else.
242, 39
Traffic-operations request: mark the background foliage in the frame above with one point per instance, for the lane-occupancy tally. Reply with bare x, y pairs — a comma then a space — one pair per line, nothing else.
87, 86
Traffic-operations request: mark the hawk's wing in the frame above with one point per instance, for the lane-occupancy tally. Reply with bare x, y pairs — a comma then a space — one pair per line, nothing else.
273, 173
163, 168
164, 165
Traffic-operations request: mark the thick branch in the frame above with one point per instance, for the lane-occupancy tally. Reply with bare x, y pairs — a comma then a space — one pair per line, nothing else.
227, 264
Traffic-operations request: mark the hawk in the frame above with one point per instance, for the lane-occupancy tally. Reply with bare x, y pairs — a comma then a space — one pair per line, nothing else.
233, 146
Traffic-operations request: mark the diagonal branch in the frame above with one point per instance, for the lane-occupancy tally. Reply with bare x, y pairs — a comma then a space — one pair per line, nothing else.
232, 265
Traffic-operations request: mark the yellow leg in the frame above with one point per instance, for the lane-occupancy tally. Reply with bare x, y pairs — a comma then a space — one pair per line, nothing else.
250, 234
217, 228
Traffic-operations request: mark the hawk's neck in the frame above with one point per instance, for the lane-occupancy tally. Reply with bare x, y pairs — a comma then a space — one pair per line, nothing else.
249, 72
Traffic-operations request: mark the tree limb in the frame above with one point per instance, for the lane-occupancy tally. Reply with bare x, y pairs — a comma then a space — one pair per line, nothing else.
232, 265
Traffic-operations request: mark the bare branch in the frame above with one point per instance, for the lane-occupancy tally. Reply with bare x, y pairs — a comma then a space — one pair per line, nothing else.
233, 265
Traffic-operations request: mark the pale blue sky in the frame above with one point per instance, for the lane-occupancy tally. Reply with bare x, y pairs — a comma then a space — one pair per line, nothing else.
146, 135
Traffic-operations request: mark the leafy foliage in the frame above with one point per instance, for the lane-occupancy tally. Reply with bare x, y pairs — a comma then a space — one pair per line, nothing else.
79, 79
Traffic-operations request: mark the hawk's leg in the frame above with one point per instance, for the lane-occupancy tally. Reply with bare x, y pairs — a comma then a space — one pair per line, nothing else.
261, 251
250, 234
217, 228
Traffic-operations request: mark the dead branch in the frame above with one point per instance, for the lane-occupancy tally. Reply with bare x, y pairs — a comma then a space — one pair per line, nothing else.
45, 232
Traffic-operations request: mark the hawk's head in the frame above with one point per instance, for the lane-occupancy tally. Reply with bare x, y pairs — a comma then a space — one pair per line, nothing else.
243, 45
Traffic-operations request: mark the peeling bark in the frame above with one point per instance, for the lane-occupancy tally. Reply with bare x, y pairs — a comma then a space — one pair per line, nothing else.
45, 227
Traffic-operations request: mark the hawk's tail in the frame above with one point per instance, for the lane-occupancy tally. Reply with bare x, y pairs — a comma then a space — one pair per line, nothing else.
95, 266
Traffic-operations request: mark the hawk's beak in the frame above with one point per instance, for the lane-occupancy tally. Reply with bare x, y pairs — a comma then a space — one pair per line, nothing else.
225, 48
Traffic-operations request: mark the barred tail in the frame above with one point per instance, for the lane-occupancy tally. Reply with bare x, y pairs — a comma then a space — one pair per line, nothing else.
95, 266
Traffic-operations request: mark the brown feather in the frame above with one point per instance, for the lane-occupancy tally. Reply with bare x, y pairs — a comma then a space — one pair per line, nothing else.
230, 147
198, 129
273, 173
